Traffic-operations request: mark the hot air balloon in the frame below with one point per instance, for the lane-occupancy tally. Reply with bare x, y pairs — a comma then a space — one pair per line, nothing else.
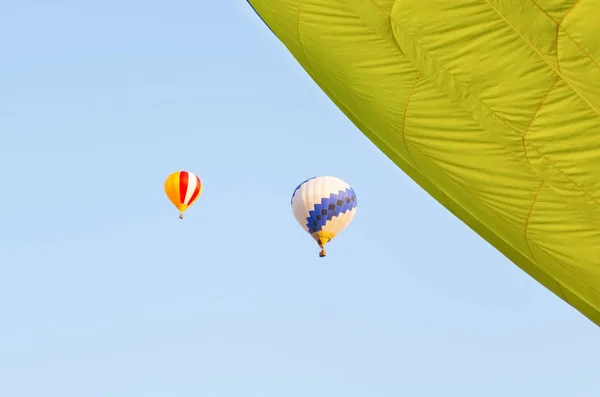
183, 188
492, 107
324, 206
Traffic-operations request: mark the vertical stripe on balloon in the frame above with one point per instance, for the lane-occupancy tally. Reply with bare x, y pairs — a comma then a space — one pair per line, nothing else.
191, 187
183, 184
196, 190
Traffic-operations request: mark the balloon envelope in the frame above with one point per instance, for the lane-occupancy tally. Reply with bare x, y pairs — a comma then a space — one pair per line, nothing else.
183, 189
493, 107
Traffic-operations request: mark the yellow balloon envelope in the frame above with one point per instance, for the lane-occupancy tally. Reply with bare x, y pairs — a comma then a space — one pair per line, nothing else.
492, 107
183, 188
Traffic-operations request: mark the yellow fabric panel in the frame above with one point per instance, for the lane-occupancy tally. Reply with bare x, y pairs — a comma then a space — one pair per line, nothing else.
172, 190
492, 107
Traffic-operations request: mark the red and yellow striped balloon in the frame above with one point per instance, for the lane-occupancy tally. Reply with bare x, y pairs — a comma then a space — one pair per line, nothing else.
183, 188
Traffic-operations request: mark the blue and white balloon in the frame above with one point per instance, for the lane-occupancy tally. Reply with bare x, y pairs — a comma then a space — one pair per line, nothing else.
324, 206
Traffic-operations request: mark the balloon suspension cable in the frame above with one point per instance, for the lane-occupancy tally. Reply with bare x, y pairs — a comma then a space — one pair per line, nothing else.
181, 215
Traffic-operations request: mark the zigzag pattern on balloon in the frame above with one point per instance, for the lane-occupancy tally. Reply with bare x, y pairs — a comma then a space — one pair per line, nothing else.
340, 203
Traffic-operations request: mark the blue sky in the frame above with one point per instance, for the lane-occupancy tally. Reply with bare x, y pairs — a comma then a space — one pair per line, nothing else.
105, 292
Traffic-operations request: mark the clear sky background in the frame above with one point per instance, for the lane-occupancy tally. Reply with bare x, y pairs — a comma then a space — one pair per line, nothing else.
104, 292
